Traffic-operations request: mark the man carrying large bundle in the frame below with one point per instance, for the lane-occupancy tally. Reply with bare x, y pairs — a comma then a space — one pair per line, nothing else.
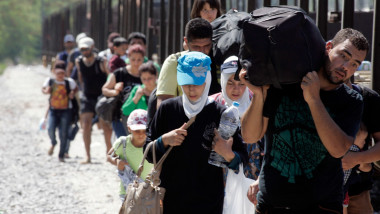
308, 126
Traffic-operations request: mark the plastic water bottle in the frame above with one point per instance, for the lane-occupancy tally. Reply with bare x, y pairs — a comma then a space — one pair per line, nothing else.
229, 122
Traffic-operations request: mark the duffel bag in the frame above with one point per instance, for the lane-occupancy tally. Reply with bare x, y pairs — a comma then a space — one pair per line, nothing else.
283, 44
227, 35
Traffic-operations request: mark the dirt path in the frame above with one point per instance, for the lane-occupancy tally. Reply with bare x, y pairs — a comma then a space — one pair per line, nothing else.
30, 180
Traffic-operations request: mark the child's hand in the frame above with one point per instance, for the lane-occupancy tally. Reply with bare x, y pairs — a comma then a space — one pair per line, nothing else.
175, 137
140, 91
121, 164
223, 147
46, 90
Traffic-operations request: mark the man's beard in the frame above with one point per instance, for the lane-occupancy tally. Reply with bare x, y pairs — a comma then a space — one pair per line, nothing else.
88, 55
327, 73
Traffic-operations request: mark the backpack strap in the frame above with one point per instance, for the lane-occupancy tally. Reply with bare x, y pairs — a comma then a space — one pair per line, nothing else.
67, 85
124, 143
51, 82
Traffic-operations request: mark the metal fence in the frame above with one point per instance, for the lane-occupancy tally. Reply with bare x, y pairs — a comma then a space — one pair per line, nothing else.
163, 22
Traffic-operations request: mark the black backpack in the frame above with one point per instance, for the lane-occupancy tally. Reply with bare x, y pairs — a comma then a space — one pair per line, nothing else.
227, 35
75, 109
281, 44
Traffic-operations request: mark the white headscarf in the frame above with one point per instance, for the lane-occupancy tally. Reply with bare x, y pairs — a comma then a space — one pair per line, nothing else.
193, 108
244, 100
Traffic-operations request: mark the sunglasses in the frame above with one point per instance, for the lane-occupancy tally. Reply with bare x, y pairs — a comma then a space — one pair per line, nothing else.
84, 49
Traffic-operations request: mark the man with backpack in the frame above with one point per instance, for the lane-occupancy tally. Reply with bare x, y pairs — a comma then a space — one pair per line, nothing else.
62, 91
92, 74
308, 126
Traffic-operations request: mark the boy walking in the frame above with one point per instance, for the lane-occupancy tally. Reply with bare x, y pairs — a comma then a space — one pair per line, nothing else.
61, 92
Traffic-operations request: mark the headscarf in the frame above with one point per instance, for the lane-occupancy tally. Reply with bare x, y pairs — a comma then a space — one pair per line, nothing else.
244, 100
193, 108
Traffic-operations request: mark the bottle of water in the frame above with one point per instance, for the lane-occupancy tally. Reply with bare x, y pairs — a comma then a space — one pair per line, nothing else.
229, 122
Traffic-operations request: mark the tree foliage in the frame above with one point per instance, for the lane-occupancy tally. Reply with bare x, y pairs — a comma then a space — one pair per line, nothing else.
20, 26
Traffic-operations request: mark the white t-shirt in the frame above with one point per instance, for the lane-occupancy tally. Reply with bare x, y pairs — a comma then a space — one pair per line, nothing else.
59, 84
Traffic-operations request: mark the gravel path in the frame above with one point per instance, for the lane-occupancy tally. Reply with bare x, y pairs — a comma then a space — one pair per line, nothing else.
30, 180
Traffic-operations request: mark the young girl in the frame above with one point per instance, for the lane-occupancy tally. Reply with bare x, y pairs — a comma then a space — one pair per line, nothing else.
138, 99
206, 9
234, 90
127, 151
192, 184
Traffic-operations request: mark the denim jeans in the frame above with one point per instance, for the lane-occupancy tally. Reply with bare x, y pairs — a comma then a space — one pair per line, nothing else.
60, 119
118, 128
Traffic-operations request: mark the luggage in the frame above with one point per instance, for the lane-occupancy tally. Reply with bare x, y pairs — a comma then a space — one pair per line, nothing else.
227, 35
281, 44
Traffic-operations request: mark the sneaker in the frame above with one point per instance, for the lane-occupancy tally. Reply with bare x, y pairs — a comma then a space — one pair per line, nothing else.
61, 160
66, 155
51, 150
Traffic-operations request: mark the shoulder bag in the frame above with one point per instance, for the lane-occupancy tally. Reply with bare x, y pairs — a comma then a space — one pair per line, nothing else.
146, 197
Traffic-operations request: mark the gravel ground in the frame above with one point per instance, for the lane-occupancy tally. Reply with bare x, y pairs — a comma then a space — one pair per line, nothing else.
30, 180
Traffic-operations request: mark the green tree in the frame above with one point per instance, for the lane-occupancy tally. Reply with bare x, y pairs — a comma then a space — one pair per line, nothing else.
20, 27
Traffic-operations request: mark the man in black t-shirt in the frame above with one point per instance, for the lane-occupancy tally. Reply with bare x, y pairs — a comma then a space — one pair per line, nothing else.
92, 75
308, 128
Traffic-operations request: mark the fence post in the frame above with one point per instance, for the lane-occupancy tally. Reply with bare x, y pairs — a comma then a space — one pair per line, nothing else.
267, 3
322, 9
283, 2
376, 48
348, 14
251, 5
170, 29
163, 49
304, 4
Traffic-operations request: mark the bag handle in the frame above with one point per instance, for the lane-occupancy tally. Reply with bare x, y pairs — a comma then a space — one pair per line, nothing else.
161, 161
157, 166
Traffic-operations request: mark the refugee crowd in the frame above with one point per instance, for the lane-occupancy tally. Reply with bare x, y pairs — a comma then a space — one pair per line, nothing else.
308, 147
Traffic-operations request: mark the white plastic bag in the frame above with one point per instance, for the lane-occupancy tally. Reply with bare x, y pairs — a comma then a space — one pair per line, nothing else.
235, 199
43, 124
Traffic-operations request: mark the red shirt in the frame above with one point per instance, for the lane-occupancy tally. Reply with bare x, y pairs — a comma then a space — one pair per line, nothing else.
116, 62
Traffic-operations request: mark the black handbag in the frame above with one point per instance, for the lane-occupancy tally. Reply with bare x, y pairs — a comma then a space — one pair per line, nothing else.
107, 106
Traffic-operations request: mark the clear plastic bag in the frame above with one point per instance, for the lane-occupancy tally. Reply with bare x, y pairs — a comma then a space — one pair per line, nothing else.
43, 124
235, 199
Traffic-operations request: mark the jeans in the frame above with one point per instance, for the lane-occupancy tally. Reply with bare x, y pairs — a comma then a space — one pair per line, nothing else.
118, 128
60, 119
